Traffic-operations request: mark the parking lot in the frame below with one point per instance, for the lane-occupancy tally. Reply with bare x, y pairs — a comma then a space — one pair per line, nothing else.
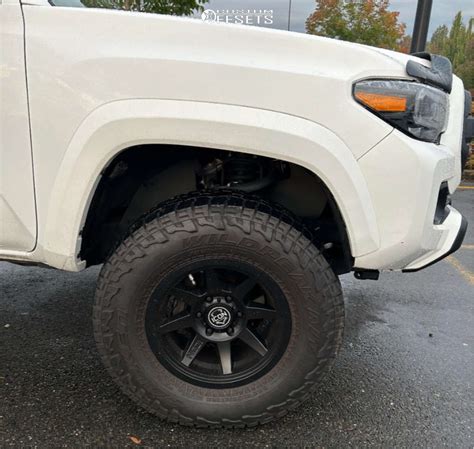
404, 377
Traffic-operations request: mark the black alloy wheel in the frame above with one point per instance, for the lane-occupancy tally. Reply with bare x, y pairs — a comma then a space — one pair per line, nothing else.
218, 311
218, 323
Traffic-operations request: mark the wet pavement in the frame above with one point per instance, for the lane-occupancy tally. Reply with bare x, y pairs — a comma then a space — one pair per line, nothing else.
404, 377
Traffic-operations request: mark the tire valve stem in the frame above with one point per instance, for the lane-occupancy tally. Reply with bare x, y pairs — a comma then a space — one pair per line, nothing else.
191, 278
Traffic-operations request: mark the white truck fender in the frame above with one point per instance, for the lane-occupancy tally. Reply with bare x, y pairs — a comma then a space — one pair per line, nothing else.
117, 125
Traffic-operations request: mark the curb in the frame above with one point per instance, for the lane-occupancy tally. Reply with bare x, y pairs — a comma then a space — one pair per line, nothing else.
468, 175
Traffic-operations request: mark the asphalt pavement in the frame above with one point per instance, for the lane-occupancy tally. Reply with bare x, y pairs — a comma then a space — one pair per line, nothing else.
404, 377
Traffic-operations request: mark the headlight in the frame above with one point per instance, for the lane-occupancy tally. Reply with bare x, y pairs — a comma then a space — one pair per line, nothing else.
416, 109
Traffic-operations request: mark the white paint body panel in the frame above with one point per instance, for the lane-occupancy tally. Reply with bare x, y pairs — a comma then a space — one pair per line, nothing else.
100, 81
121, 124
17, 202
404, 176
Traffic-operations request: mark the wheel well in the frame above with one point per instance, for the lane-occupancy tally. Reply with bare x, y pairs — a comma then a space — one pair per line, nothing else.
141, 177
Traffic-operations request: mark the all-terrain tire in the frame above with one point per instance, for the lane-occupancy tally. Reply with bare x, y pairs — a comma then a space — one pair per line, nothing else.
232, 227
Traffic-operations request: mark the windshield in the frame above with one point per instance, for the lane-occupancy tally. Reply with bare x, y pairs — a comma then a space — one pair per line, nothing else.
70, 3
248, 12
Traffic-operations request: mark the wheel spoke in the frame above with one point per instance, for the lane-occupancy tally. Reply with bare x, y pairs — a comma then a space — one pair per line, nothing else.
181, 321
213, 283
244, 288
255, 311
247, 336
185, 295
225, 356
193, 350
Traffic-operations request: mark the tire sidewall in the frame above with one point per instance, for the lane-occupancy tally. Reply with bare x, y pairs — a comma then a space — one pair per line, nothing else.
144, 260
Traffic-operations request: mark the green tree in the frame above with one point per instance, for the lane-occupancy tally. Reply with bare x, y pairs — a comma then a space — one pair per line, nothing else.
457, 44
457, 41
465, 70
366, 22
170, 7
439, 40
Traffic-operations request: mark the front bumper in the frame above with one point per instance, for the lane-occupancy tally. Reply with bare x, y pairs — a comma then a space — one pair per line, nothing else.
405, 178
468, 136
453, 248
410, 182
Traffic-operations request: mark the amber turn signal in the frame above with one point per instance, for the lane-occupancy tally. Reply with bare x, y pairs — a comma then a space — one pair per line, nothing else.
381, 102
418, 110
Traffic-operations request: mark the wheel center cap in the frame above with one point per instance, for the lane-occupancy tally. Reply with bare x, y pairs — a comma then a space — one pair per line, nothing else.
219, 317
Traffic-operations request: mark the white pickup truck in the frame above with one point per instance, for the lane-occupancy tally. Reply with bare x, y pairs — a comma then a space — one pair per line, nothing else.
224, 176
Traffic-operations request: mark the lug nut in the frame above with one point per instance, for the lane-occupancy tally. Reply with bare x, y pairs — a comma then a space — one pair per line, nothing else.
230, 331
228, 299
199, 314
208, 299
239, 314
208, 331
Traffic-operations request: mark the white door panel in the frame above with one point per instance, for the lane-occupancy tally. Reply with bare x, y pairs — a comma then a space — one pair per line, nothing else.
17, 203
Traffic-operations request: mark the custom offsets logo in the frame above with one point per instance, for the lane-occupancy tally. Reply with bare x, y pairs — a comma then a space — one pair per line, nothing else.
242, 16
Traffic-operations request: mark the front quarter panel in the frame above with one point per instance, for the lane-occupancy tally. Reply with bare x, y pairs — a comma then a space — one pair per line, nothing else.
79, 60
117, 125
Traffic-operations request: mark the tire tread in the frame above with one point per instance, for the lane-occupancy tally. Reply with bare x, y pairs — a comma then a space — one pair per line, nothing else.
229, 208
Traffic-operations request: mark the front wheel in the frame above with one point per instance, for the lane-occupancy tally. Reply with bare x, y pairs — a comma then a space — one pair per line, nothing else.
216, 311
